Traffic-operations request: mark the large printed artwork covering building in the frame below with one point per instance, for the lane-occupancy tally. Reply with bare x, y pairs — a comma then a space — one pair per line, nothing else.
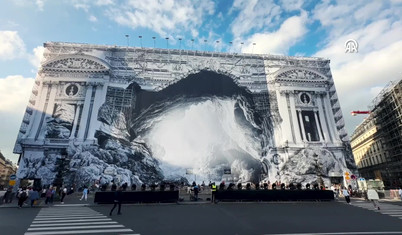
146, 115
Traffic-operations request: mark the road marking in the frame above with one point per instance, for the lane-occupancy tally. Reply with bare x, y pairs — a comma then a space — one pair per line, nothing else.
77, 217
69, 220
338, 233
385, 209
63, 220
81, 231
55, 216
72, 205
78, 227
68, 223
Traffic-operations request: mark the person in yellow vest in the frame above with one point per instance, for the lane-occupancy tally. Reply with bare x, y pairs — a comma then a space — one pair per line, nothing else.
213, 190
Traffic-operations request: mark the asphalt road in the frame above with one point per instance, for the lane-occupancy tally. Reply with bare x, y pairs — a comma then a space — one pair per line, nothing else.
14, 221
221, 218
253, 218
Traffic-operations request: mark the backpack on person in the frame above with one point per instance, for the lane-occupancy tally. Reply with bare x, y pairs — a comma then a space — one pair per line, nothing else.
23, 195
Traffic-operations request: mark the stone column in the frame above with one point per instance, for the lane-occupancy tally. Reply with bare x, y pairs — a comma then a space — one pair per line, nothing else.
324, 119
76, 116
302, 125
284, 113
35, 111
49, 106
94, 123
84, 116
318, 125
50, 100
40, 110
294, 119
331, 119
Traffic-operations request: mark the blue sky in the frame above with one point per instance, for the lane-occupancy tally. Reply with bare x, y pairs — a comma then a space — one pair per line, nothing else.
288, 27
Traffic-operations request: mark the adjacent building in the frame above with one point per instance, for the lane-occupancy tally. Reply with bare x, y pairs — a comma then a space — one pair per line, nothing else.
377, 141
7, 168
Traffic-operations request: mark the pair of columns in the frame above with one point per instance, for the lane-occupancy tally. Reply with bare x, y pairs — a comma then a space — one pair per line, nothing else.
88, 124
304, 135
294, 130
94, 96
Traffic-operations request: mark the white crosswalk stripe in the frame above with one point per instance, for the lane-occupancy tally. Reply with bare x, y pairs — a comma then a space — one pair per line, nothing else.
385, 208
77, 220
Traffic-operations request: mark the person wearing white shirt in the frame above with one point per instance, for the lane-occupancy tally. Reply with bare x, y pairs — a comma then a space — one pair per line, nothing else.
346, 195
63, 194
400, 192
334, 190
373, 196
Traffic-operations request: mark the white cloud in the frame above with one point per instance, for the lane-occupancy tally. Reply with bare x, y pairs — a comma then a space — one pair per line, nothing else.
163, 17
292, 5
29, 3
11, 45
253, 15
374, 91
15, 91
378, 30
40, 4
92, 18
104, 2
278, 42
37, 56
82, 6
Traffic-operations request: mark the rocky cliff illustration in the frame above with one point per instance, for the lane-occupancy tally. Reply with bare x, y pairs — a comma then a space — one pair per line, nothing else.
141, 116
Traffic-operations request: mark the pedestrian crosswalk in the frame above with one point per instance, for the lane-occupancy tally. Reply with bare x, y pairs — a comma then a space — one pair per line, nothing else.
385, 208
74, 220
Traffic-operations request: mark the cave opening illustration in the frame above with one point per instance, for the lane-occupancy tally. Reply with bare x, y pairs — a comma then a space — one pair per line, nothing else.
204, 124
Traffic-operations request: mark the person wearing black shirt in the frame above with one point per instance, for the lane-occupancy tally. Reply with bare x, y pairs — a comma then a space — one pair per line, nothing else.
118, 196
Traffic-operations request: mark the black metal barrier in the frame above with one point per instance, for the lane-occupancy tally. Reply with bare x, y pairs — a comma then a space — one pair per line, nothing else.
274, 195
138, 196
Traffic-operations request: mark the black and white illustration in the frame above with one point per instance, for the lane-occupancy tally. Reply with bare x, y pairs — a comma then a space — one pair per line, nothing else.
142, 116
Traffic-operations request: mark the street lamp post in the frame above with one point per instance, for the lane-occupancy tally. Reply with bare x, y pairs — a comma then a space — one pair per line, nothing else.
154, 41
128, 40
167, 42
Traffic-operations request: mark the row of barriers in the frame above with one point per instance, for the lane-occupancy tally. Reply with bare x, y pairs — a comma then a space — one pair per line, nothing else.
220, 195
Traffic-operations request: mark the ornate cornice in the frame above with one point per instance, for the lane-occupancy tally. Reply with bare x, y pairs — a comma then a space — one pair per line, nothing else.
299, 75
76, 63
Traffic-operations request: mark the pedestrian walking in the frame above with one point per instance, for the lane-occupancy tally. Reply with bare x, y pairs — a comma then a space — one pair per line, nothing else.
49, 193
346, 195
84, 193
196, 189
117, 199
8, 195
22, 196
334, 191
63, 194
372, 195
33, 196
43, 194
53, 193
400, 192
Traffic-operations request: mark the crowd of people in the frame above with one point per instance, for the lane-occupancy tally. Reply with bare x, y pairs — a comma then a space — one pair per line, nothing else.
31, 196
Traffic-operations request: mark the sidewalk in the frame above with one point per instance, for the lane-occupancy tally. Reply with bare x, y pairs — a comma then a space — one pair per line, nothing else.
69, 200
74, 200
